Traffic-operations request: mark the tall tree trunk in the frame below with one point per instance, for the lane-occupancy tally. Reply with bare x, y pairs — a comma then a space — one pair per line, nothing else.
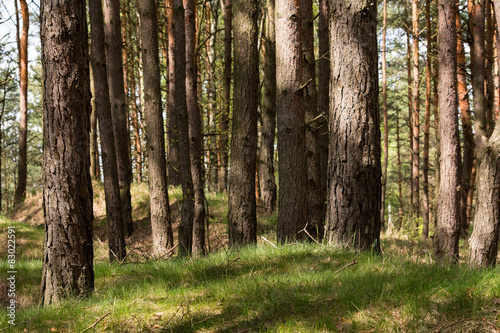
242, 217
179, 92
195, 132
118, 107
93, 132
427, 123
465, 119
224, 115
415, 116
400, 180
102, 110
161, 224
323, 96
315, 201
384, 113
22, 166
267, 181
67, 201
484, 240
354, 169
174, 176
410, 118
291, 122
489, 86
446, 236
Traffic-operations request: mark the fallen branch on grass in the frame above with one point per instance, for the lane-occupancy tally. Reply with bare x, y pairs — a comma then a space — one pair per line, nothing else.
352, 263
308, 234
264, 238
96, 322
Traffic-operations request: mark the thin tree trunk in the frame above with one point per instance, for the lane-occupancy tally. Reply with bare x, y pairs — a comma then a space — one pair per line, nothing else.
427, 123
400, 181
22, 165
179, 92
93, 130
353, 218
415, 116
174, 176
315, 201
161, 224
291, 125
116, 237
468, 152
384, 111
410, 118
489, 87
68, 254
118, 107
323, 96
447, 229
242, 219
267, 181
195, 132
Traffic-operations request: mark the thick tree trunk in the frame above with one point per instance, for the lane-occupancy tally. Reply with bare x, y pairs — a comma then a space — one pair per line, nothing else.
353, 217
159, 204
446, 235
484, 239
22, 163
267, 181
116, 237
242, 217
465, 119
291, 122
384, 113
195, 132
323, 96
68, 254
174, 176
427, 124
187, 212
315, 201
118, 107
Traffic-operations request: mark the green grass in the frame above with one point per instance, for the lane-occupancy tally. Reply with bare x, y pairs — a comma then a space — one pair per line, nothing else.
299, 287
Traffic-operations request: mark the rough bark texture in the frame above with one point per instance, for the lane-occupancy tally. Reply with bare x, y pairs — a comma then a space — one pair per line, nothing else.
93, 131
187, 212
118, 107
315, 201
68, 255
291, 123
427, 124
489, 87
195, 132
484, 239
384, 113
116, 237
224, 115
446, 235
354, 171
174, 176
242, 217
465, 119
159, 204
22, 163
415, 181
323, 95
267, 181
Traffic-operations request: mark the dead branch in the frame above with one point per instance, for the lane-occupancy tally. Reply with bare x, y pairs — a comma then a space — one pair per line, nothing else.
352, 263
96, 322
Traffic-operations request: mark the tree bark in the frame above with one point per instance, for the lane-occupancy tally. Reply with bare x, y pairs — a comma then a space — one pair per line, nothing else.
384, 113
484, 240
446, 235
415, 182
93, 132
195, 131
489, 86
354, 170
67, 199
291, 122
161, 224
242, 217
118, 107
179, 92
116, 237
22, 166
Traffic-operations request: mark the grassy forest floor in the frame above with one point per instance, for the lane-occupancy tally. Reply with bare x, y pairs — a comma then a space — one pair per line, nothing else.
298, 287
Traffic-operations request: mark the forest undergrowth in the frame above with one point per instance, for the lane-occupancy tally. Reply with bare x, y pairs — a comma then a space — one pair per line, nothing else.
297, 287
